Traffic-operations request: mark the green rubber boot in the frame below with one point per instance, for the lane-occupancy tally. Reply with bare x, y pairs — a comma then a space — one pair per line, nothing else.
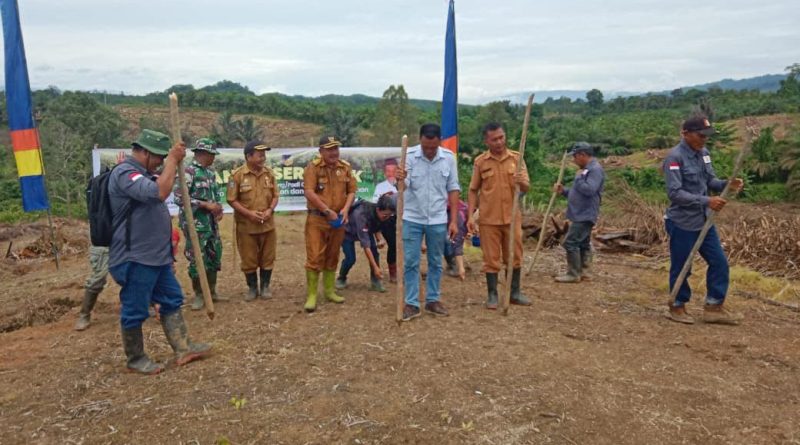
312, 283
328, 279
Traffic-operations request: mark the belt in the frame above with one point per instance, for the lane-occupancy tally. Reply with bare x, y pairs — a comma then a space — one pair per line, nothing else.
316, 212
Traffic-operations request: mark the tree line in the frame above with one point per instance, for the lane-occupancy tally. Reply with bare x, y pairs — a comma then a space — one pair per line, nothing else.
72, 122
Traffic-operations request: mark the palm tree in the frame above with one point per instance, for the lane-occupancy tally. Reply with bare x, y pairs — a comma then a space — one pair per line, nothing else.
248, 130
790, 162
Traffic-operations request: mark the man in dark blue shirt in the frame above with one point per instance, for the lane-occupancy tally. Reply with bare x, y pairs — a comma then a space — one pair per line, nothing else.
689, 176
583, 208
140, 255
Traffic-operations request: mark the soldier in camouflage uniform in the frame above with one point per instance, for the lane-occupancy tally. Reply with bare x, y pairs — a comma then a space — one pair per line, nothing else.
207, 210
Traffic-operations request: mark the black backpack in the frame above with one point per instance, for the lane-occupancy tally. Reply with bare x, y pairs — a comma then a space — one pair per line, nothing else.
101, 217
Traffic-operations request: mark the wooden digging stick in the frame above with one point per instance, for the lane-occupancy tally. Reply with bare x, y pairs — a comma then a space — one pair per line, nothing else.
752, 131
401, 284
547, 214
187, 209
515, 206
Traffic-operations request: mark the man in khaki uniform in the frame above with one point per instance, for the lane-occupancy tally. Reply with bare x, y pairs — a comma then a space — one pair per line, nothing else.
330, 188
491, 190
253, 194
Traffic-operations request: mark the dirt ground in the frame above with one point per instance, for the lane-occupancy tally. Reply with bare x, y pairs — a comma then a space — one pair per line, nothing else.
595, 363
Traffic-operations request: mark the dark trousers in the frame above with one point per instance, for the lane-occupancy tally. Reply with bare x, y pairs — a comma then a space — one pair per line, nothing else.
717, 277
579, 237
389, 232
349, 250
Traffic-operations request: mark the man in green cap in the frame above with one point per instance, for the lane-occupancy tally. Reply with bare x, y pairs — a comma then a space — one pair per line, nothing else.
140, 255
201, 179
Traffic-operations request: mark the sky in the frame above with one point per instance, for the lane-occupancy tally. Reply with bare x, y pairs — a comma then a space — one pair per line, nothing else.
362, 46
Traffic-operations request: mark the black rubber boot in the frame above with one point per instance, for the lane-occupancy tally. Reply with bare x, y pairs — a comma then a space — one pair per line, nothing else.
138, 361
573, 274
516, 292
85, 317
198, 301
264, 291
452, 267
178, 337
252, 286
211, 275
586, 264
491, 287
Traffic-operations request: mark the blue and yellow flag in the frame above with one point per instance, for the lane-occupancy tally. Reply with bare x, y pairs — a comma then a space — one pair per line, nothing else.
24, 136
450, 95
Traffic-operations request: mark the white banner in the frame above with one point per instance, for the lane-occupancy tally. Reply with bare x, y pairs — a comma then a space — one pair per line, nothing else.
287, 164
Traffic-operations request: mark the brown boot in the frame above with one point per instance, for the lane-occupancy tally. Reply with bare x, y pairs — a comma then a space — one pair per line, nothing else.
679, 314
393, 273
719, 314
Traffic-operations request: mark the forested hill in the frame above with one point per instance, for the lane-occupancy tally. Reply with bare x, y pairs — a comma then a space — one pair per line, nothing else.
72, 122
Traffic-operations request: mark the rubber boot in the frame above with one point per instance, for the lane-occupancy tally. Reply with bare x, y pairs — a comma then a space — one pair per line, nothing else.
516, 292
586, 263
198, 302
138, 361
264, 291
376, 285
341, 282
85, 317
185, 350
393, 273
211, 275
573, 274
312, 284
452, 267
252, 286
328, 277
491, 288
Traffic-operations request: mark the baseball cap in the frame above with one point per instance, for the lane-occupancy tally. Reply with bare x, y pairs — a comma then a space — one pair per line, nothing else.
699, 124
581, 147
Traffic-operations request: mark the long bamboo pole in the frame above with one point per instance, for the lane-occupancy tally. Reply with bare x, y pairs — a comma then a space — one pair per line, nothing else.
547, 214
401, 188
752, 132
515, 207
187, 209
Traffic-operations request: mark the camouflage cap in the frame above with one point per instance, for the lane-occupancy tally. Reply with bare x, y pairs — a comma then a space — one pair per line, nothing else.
154, 142
206, 144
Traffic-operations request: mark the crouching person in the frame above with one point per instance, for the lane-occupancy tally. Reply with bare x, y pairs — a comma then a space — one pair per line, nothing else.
140, 255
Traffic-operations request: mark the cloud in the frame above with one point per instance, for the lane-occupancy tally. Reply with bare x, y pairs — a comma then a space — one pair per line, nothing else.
349, 46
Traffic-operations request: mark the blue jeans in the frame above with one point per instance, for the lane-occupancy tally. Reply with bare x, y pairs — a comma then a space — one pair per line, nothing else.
349, 250
435, 236
717, 277
144, 284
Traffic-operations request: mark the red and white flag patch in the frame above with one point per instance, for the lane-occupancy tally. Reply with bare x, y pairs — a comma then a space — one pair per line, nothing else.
674, 166
134, 176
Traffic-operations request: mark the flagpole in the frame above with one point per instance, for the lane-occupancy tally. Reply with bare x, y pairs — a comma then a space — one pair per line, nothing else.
25, 140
